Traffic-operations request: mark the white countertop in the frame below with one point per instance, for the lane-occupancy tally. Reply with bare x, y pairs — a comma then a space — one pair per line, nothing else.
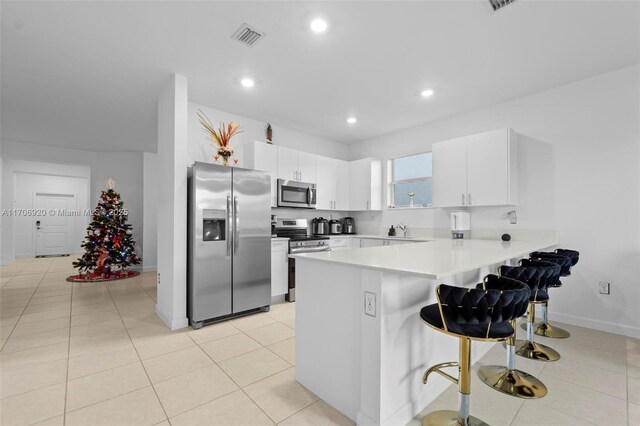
435, 259
397, 237
279, 239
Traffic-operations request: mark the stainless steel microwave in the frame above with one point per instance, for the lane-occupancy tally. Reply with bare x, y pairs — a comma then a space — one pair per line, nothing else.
292, 193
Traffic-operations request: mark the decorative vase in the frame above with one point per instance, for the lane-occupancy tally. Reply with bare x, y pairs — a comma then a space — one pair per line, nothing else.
225, 159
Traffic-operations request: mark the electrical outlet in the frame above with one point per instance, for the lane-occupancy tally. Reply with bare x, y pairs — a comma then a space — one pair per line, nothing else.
605, 287
370, 304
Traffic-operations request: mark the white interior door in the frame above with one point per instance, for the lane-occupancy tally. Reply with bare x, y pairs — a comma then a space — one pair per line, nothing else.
55, 230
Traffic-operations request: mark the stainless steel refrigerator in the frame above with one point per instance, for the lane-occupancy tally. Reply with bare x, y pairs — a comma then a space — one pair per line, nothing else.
229, 247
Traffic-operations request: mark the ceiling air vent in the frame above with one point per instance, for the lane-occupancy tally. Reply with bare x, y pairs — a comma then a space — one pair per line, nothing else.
499, 4
248, 35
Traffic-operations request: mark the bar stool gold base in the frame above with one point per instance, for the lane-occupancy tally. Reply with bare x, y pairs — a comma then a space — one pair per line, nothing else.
547, 330
512, 382
536, 351
449, 418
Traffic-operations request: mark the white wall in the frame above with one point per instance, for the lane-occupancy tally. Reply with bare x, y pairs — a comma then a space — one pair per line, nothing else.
150, 211
20, 180
201, 147
579, 164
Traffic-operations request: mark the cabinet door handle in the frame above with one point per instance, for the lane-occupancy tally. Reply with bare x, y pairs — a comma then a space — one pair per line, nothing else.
469, 197
463, 198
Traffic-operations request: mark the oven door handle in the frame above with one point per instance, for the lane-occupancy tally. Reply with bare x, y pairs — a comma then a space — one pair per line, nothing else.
310, 249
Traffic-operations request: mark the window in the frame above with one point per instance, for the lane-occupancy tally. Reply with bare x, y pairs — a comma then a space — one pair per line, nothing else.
411, 174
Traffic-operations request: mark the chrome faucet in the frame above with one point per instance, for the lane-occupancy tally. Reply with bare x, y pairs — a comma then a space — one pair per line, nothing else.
403, 228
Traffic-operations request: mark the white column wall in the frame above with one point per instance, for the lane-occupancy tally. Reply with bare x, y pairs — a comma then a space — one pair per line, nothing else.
172, 203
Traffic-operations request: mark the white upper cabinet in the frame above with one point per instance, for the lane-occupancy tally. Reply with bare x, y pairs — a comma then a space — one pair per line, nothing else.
326, 183
342, 186
333, 184
308, 167
365, 184
297, 165
493, 168
449, 173
477, 170
263, 156
287, 163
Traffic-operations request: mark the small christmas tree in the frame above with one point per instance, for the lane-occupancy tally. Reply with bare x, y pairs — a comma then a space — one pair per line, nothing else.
109, 245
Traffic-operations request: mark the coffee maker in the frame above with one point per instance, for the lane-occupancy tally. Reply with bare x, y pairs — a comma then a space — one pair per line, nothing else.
348, 225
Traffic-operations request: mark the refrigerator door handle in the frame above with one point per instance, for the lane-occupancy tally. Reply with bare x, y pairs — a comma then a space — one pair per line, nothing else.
229, 225
236, 234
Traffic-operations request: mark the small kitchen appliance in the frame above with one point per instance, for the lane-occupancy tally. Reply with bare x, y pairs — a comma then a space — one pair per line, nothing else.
320, 226
348, 225
293, 193
460, 225
335, 227
299, 242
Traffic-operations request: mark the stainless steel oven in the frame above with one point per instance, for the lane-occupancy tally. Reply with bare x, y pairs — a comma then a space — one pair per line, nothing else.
292, 193
299, 242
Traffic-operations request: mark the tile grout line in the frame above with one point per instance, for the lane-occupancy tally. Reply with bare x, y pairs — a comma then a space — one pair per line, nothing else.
626, 368
138, 354
22, 313
230, 378
66, 381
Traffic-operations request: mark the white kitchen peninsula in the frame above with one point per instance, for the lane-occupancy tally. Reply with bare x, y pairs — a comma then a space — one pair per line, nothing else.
370, 367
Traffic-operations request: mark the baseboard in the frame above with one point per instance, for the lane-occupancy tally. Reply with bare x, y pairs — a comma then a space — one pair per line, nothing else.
606, 326
143, 268
171, 323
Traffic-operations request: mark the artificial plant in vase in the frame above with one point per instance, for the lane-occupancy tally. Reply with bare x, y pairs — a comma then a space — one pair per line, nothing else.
221, 137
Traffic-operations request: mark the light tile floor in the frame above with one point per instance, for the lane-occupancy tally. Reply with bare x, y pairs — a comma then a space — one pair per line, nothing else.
96, 354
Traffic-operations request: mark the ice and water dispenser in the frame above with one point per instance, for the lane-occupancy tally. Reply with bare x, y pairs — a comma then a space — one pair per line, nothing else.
213, 225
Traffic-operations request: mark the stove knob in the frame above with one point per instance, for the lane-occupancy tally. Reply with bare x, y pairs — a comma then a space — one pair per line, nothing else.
321, 243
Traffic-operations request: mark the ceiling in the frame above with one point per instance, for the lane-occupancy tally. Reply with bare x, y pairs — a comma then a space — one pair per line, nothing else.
87, 74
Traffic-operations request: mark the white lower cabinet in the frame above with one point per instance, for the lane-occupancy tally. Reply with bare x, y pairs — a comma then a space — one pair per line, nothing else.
377, 242
279, 267
339, 243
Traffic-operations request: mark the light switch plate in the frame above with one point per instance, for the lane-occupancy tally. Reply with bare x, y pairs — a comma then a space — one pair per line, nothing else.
605, 287
370, 304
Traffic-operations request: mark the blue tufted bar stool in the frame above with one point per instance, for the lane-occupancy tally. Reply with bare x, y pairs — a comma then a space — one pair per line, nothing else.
482, 314
508, 379
529, 348
566, 259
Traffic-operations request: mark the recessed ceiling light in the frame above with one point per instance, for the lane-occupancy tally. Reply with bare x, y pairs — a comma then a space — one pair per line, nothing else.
319, 25
427, 93
351, 120
247, 82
